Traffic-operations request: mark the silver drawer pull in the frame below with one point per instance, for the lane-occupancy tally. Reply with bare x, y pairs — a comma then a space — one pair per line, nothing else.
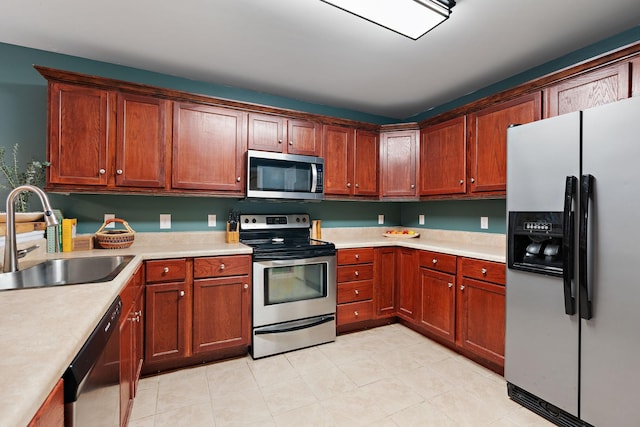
355, 313
221, 266
462, 288
357, 256
484, 271
181, 293
450, 285
356, 273
434, 261
357, 292
166, 269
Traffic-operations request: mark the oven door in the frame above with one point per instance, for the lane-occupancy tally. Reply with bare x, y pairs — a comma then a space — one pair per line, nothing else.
286, 290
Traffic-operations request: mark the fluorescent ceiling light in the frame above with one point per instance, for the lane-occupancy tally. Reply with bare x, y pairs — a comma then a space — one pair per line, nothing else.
411, 18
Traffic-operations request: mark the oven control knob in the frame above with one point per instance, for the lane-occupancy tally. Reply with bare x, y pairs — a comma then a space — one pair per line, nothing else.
254, 220
304, 219
246, 220
297, 219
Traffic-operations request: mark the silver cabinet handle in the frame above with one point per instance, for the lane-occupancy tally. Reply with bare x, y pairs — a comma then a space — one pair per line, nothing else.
166, 269
450, 284
290, 142
246, 286
434, 261
279, 141
221, 266
119, 172
357, 185
356, 273
413, 186
102, 171
238, 179
461, 181
357, 292
462, 288
357, 256
355, 313
348, 185
181, 293
473, 180
484, 271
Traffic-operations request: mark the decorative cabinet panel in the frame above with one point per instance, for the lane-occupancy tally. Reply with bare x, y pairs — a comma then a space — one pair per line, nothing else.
385, 273
598, 87
355, 285
487, 146
399, 164
408, 286
443, 158
481, 293
209, 145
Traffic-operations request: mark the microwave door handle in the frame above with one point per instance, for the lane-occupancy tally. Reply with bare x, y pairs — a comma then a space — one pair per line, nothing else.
567, 244
314, 177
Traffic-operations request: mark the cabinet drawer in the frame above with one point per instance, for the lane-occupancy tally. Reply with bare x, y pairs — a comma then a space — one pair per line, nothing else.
355, 256
166, 270
354, 312
236, 265
483, 270
350, 273
438, 261
355, 291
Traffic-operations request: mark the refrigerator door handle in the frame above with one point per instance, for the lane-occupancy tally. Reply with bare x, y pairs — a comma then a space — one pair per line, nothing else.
586, 193
567, 244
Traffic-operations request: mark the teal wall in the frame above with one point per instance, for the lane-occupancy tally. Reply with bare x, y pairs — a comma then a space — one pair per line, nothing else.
23, 100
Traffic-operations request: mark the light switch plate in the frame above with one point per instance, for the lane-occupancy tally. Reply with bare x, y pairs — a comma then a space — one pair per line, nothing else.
110, 216
381, 219
421, 219
165, 221
211, 220
484, 222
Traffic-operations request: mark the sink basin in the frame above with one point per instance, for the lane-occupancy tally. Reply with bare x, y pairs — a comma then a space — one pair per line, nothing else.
66, 271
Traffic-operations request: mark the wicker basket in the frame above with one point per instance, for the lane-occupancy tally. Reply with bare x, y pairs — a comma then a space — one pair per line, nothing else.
114, 239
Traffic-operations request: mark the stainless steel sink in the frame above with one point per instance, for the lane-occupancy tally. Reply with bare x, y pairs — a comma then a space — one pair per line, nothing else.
66, 271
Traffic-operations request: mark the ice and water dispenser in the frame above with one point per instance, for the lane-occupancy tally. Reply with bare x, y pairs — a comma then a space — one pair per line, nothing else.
536, 242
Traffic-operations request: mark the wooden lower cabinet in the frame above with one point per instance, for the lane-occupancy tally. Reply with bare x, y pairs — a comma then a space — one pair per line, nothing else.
355, 286
408, 286
385, 271
201, 310
437, 303
51, 413
481, 291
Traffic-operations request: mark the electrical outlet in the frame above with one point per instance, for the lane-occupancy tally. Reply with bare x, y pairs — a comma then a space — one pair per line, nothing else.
110, 216
211, 220
380, 219
165, 221
484, 222
421, 219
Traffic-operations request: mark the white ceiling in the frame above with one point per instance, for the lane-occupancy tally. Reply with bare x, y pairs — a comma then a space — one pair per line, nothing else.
311, 51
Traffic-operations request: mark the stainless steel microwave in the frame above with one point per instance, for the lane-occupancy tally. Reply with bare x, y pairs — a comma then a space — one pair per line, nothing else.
284, 176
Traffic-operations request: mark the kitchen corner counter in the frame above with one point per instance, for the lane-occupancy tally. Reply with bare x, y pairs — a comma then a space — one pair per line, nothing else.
43, 329
484, 246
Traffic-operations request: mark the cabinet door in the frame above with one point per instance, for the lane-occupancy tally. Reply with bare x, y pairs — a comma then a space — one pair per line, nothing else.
408, 286
437, 303
488, 140
338, 166
141, 141
384, 280
266, 133
126, 364
304, 137
365, 164
209, 146
78, 135
221, 313
443, 158
635, 77
483, 319
594, 88
398, 154
167, 323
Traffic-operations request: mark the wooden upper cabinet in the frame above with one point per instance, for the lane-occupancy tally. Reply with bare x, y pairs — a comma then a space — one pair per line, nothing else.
443, 158
141, 141
304, 137
398, 163
591, 89
338, 162
79, 132
635, 77
487, 147
267, 133
209, 145
365, 163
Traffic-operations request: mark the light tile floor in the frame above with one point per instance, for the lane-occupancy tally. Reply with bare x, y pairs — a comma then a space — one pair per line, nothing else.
384, 377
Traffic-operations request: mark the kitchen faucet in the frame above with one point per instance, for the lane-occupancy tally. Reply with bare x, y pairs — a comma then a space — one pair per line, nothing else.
10, 247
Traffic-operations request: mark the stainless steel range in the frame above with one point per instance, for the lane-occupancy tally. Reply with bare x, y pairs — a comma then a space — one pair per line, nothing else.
294, 284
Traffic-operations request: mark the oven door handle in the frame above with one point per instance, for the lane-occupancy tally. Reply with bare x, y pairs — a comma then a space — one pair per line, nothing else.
304, 324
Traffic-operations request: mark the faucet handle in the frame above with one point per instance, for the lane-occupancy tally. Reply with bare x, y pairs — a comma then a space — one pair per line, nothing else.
23, 252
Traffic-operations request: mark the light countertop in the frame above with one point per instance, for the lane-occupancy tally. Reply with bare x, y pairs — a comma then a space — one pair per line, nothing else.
41, 330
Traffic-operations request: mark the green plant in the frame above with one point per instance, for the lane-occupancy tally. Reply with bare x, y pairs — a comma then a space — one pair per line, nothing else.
34, 174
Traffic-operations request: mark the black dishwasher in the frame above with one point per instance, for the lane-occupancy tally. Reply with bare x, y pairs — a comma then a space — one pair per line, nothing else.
92, 381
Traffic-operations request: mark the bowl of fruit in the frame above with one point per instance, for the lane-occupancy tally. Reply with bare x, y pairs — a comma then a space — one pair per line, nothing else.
401, 234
